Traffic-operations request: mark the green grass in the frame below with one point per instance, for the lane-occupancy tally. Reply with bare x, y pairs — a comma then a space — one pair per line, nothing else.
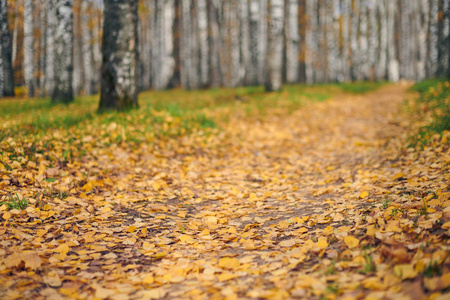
63, 133
15, 202
432, 108
360, 87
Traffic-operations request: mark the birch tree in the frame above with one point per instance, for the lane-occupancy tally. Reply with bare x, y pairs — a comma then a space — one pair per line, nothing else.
275, 53
246, 62
50, 51
346, 17
6, 68
86, 35
64, 43
119, 49
393, 64
202, 20
28, 46
292, 41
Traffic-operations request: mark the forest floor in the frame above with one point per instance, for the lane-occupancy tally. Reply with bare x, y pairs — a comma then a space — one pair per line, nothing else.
324, 201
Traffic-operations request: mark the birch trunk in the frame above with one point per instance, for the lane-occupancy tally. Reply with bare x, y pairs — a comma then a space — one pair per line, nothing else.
87, 48
422, 38
245, 42
363, 43
311, 38
50, 57
28, 46
373, 39
381, 67
275, 54
6, 68
63, 90
346, 15
432, 39
119, 68
43, 47
292, 41
393, 65
175, 81
203, 40
254, 42
214, 11
333, 41
262, 41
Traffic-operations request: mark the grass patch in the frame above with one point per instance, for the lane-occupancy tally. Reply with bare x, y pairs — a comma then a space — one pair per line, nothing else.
360, 87
432, 108
15, 202
64, 133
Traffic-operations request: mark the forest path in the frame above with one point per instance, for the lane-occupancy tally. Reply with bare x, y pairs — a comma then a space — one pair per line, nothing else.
321, 202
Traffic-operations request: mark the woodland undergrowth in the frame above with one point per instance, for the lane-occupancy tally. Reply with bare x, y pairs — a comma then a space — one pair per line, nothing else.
320, 192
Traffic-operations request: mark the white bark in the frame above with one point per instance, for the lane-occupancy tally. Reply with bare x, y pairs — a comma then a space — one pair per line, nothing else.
332, 41
64, 43
363, 43
50, 57
432, 39
245, 72
292, 41
373, 39
28, 46
346, 15
381, 66
393, 64
87, 49
311, 38
203, 39
262, 41
275, 54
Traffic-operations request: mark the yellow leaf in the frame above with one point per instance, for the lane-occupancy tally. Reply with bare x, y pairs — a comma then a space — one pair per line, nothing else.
160, 255
131, 229
148, 279
322, 243
226, 276
6, 216
186, 238
405, 271
253, 197
363, 195
63, 248
53, 281
153, 294
446, 225
32, 260
351, 242
373, 283
229, 263
88, 187
398, 175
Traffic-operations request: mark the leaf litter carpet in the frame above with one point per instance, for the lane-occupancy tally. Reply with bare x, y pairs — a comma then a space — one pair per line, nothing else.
325, 202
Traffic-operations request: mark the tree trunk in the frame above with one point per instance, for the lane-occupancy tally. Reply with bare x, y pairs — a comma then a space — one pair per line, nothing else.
292, 41
393, 65
346, 18
28, 46
275, 53
203, 40
50, 55
63, 89
381, 66
311, 39
119, 48
88, 64
214, 11
245, 42
6, 52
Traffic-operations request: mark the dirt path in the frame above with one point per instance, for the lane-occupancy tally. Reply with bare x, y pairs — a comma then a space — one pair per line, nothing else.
321, 202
